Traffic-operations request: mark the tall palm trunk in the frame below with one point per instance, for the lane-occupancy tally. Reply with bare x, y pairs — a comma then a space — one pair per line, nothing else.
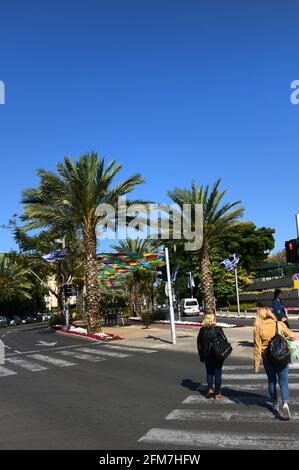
91, 280
80, 301
207, 283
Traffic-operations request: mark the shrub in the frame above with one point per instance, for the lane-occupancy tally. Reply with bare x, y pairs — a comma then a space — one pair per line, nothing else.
160, 315
56, 320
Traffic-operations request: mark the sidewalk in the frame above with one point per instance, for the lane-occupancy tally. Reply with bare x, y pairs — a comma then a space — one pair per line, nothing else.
159, 337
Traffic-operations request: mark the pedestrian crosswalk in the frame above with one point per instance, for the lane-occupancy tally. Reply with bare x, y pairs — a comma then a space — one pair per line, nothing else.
59, 357
242, 419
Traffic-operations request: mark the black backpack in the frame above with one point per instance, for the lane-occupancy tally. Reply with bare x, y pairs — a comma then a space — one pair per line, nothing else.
219, 346
278, 351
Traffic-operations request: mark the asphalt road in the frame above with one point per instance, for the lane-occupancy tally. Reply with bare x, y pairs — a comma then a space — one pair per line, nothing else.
78, 394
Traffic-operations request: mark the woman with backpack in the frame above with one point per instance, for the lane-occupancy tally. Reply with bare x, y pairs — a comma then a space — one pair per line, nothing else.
209, 338
270, 345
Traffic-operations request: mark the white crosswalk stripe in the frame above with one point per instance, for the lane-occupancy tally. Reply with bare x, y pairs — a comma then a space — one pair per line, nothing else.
232, 400
84, 357
252, 376
245, 367
102, 352
257, 386
221, 416
52, 360
245, 401
128, 348
220, 440
5, 372
25, 364
31, 360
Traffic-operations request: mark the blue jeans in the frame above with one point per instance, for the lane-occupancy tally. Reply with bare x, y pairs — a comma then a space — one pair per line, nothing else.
272, 374
214, 373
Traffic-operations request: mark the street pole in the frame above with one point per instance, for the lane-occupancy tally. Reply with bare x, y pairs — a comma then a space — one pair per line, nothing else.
177, 294
297, 225
172, 320
237, 291
66, 304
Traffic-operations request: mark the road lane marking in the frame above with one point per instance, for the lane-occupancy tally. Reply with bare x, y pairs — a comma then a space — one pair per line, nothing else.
84, 357
24, 364
258, 386
233, 400
252, 376
227, 400
52, 360
221, 440
4, 372
219, 416
291, 366
128, 348
101, 352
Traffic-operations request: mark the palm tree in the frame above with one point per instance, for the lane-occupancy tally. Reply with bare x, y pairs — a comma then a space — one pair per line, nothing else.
133, 245
68, 202
14, 279
217, 220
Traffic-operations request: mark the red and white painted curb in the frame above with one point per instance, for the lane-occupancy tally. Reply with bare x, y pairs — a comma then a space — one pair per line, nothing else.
83, 332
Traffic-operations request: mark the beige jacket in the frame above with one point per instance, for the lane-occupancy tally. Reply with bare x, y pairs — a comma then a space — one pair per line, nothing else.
262, 336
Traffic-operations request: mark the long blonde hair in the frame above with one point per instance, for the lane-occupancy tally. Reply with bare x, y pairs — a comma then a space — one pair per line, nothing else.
209, 319
264, 313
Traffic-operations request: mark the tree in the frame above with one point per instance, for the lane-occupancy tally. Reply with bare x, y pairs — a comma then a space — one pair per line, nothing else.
278, 257
133, 245
217, 220
14, 279
251, 244
68, 201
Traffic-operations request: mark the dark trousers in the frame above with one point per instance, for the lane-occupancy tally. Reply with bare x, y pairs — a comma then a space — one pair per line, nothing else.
214, 373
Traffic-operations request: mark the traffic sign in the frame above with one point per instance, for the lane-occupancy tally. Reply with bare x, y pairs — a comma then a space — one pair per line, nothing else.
296, 280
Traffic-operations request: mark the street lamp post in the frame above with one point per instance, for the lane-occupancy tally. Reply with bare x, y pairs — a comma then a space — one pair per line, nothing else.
169, 290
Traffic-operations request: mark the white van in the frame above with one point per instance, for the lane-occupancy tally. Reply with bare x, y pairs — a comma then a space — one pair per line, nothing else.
189, 307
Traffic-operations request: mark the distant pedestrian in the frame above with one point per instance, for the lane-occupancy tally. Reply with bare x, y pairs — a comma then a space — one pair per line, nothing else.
208, 340
266, 328
279, 308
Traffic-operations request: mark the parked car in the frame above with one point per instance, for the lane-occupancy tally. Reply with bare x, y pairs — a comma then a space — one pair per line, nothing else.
17, 320
3, 322
47, 316
10, 321
189, 307
26, 319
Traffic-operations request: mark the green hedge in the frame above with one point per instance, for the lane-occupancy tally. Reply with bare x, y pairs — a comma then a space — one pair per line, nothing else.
56, 320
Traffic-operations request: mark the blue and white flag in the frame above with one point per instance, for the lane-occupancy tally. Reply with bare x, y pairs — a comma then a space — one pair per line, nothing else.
175, 274
55, 255
190, 278
231, 263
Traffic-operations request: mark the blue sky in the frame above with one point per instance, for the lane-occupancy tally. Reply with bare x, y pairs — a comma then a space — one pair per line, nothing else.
174, 90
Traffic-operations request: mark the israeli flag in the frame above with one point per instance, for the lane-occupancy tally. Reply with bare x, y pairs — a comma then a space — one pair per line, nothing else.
55, 255
192, 281
231, 263
175, 274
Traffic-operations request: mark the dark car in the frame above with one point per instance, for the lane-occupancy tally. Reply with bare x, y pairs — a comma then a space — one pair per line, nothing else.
16, 320
26, 319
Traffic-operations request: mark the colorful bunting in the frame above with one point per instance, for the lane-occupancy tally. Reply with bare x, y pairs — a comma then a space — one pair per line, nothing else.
114, 267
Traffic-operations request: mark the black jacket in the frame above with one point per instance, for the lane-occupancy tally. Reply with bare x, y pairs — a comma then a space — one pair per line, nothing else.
204, 340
